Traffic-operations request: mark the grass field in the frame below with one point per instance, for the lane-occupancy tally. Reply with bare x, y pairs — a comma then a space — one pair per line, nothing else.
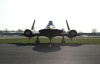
77, 40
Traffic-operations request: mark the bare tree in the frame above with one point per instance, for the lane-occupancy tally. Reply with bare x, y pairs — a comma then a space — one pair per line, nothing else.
1, 31
19, 31
63, 30
6, 30
13, 31
94, 30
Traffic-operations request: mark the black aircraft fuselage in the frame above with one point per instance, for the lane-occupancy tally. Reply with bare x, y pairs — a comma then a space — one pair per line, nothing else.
50, 31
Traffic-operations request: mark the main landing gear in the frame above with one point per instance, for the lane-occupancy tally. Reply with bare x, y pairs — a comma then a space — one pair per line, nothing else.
37, 40
50, 38
63, 40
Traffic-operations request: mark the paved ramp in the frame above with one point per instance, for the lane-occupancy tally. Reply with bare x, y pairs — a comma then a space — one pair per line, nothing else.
49, 54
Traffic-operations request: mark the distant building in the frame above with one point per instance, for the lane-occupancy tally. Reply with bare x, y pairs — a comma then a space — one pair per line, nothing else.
90, 34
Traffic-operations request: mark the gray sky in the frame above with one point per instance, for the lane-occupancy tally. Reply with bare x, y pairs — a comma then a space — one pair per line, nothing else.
82, 15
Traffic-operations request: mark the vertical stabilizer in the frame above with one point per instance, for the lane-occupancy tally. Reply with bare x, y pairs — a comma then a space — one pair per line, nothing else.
33, 25
67, 25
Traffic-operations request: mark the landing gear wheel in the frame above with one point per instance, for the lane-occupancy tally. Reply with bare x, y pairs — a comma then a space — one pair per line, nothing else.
37, 42
63, 42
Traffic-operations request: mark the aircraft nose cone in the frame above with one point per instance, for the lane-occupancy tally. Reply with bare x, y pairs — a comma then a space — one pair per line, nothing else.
50, 25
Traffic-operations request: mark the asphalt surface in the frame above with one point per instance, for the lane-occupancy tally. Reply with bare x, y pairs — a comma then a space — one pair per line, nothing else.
49, 54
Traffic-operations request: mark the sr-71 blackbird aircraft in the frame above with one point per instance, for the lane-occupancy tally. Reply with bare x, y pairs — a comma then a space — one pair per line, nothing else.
50, 31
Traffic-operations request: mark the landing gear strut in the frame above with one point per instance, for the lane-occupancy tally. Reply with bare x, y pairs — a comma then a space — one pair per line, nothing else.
50, 38
63, 40
37, 40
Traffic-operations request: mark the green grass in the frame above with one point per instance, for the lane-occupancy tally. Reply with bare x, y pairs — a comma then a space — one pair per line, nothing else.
77, 40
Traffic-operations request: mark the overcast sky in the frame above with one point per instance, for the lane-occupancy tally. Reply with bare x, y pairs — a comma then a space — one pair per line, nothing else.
82, 15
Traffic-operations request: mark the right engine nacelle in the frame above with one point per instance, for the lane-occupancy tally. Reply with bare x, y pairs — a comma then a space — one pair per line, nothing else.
72, 33
28, 33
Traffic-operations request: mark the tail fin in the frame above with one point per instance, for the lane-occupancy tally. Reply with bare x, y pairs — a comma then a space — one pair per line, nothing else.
33, 25
67, 25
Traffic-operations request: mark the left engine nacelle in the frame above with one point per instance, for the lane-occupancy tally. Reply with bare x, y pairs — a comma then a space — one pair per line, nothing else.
72, 33
28, 33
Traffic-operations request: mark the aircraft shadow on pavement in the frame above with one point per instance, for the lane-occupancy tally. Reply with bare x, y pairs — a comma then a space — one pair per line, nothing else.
52, 47
54, 44
47, 47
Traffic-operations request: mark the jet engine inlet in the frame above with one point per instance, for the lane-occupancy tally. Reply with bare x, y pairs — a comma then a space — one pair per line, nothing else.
72, 33
28, 33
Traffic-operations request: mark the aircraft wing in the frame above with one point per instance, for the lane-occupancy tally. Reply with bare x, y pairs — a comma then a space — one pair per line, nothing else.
70, 34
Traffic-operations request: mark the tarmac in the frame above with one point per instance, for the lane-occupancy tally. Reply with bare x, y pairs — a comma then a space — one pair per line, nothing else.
50, 54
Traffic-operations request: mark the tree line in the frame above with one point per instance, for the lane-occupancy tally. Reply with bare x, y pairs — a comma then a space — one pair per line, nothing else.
11, 31
94, 30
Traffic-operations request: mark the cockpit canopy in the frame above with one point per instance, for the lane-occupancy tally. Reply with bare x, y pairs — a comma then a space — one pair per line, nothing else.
50, 25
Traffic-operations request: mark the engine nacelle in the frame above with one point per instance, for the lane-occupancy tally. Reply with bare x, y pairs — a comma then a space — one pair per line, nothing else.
28, 33
72, 33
